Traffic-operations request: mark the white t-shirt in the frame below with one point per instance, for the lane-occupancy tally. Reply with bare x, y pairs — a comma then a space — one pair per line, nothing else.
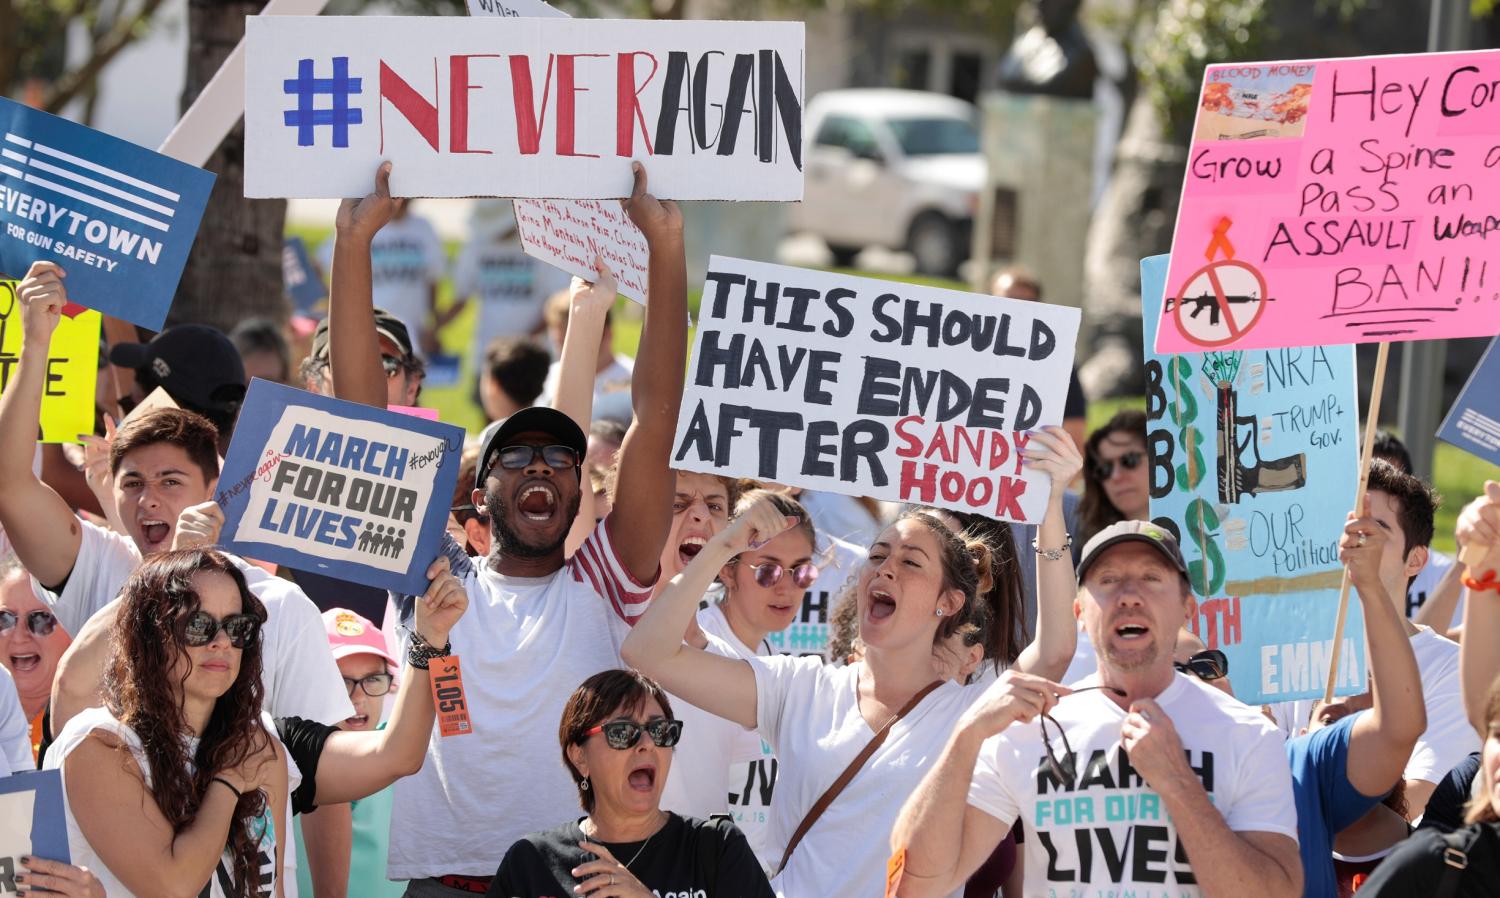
699, 782
611, 389
83, 854
1425, 583
809, 712
15, 731
511, 287
752, 782
1448, 739
1085, 661
1110, 828
525, 643
841, 517
406, 259
838, 566
300, 676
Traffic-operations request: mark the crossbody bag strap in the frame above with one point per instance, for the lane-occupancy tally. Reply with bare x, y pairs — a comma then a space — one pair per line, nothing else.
1456, 848
849, 773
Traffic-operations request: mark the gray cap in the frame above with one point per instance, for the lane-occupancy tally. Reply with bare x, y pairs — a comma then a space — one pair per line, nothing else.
1159, 538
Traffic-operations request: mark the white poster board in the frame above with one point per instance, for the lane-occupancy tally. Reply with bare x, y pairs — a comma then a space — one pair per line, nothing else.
523, 107
873, 388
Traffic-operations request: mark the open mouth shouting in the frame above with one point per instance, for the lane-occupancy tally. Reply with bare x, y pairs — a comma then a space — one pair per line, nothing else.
643, 777
882, 603
537, 502
25, 663
689, 548
357, 722
155, 533
1132, 631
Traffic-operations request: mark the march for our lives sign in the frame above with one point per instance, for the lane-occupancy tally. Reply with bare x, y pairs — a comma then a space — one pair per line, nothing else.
1254, 464
31, 822
343, 489
1473, 424
118, 218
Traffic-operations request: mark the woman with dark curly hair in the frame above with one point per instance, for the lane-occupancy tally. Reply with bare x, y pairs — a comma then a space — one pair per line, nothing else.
1116, 475
175, 787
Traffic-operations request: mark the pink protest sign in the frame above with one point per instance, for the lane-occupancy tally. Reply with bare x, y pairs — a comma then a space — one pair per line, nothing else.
1338, 201
570, 233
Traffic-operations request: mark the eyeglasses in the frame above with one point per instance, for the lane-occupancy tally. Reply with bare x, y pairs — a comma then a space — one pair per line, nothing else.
375, 685
40, 623
516, 457
1130, 461
1209, 664
624, 734
202, 627
770, 573
1064, 770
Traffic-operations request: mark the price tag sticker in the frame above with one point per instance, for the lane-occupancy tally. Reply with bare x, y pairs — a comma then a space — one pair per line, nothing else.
448, 696
893, 870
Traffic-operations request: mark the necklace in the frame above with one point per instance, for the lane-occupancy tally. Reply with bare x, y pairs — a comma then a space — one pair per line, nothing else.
638, 851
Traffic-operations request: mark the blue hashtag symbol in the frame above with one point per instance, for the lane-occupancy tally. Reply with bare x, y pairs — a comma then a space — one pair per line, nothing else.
305, 88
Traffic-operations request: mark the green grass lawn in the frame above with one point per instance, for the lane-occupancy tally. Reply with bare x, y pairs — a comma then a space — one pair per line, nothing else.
1459, 476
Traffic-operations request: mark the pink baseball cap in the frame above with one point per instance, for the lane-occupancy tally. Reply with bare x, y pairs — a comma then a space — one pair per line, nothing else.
351, 634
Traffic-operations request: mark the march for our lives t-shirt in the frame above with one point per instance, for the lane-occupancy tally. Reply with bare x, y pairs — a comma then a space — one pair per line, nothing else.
1108, 827
1327, 803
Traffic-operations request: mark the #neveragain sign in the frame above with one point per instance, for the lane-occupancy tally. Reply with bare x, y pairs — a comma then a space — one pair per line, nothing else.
339, 488
118, 218
1254, 463
545, 108
873, 388
1338, 201
72, 366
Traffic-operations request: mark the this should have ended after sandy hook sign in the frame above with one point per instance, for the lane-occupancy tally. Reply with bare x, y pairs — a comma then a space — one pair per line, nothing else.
523, 107
873, 388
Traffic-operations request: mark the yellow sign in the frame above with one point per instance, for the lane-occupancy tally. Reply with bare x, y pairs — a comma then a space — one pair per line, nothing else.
72, 367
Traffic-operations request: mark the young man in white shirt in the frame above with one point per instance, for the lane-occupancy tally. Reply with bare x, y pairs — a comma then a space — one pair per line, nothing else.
1405, 508
1126, 783
538, 623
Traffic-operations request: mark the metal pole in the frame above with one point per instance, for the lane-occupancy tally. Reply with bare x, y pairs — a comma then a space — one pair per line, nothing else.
1421, 394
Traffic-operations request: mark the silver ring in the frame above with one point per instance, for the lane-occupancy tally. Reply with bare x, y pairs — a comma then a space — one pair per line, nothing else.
611, 879
1361, 540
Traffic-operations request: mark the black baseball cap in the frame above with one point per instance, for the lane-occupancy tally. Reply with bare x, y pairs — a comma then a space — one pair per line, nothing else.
386, 325
1158, 538
538, 419
196, 364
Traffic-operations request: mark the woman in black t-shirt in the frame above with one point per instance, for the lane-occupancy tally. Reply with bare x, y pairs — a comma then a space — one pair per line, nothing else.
617, 735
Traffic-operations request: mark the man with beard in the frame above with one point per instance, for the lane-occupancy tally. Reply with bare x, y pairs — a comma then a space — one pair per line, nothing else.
1128, 774
538, 623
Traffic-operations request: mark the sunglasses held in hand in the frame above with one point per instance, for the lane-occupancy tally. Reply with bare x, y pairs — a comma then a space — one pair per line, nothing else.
1209, 664
1064, 770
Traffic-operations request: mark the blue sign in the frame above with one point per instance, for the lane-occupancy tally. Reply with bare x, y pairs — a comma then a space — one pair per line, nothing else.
338, 488
302, 282
1254, 465
118, 218
1473, 424
32, 821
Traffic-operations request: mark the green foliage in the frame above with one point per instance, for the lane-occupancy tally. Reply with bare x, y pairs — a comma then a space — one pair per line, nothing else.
1188, 35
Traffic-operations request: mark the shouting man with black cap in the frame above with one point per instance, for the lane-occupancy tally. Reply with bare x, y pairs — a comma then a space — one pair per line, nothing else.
1126, 775
538, 623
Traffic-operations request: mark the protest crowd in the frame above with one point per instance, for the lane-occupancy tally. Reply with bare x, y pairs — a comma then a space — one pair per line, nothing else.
297, 637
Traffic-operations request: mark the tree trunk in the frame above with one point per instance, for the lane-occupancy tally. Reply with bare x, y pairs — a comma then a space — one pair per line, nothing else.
234, 271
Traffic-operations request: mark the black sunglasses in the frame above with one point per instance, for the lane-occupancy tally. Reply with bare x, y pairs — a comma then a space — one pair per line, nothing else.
1064, 770
202, 627
1130, 461
558, 457
40, 623
770, 573
624, 734
1209, 664
375, 685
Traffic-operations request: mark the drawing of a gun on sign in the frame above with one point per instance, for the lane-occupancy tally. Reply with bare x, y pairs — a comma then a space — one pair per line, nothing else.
1239, 474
